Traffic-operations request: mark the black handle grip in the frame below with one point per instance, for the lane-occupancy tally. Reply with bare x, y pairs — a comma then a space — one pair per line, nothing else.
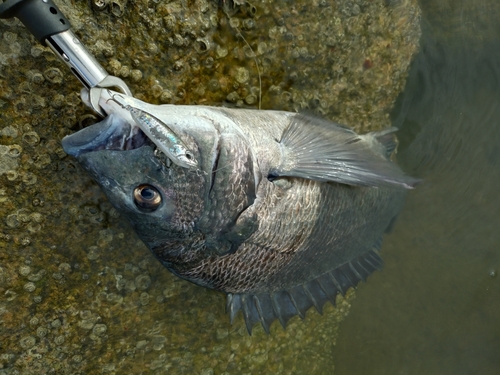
42, 17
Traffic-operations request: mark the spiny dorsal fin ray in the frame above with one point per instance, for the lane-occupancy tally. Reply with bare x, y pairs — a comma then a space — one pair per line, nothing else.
320, 150
315, 294
265, 308
358, 270
283, 307
374, 260
233, 305
250, 313
343, 281
300, 300
285, 304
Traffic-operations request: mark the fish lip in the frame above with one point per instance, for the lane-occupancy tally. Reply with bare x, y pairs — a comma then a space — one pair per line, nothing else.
112, 133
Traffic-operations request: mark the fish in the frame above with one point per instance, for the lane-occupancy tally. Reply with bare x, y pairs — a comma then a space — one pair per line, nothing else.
282, 212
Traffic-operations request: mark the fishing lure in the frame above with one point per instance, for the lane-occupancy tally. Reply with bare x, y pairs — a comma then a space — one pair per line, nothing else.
161, 135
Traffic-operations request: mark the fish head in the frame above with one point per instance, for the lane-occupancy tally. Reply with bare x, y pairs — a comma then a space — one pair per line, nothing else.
161, 199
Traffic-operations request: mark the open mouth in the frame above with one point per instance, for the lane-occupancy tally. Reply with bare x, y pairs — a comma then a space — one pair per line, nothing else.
112, 133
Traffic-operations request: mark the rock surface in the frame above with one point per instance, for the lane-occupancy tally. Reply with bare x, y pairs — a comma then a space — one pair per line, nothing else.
79, 293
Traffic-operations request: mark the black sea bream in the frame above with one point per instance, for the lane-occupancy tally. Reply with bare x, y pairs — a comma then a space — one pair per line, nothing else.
278, 210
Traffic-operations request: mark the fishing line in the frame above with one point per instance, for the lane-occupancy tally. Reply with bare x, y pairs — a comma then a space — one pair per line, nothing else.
254, 55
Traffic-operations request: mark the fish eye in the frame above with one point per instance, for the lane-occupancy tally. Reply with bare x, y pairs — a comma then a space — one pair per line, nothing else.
147, 197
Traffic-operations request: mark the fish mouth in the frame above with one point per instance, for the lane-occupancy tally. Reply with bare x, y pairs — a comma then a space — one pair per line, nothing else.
112, 133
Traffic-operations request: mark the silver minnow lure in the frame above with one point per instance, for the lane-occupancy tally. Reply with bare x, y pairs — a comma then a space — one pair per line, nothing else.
161, 135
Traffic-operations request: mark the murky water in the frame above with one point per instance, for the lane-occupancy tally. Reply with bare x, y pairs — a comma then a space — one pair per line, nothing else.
435, 307
81, 294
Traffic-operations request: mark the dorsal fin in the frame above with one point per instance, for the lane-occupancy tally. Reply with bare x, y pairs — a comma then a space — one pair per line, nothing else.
283, 305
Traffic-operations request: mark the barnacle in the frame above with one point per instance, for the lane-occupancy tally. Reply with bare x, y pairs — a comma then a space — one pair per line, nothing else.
100, 5
53, 75
117, 8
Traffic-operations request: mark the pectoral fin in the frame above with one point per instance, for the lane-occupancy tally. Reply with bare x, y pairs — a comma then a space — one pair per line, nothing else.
320, 150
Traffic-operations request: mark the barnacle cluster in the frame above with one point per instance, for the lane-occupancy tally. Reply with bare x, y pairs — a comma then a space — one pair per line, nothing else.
80, 293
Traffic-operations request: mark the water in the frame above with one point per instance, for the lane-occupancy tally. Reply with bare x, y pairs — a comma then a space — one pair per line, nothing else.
434, 309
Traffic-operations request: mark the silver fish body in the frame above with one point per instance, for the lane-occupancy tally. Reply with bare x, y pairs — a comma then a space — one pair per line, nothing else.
271, 215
